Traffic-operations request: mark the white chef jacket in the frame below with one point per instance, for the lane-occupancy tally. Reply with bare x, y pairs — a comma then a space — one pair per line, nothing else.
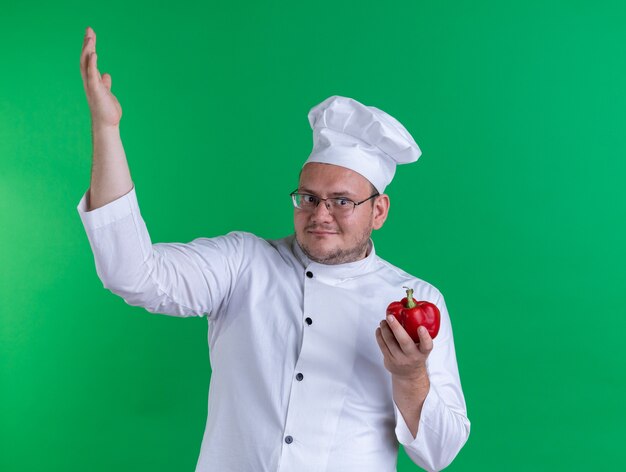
298, 381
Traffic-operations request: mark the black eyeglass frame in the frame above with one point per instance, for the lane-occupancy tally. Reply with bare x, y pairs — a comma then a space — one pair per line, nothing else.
320, 199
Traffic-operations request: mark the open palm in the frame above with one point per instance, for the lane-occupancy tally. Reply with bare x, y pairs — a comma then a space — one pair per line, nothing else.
104, 107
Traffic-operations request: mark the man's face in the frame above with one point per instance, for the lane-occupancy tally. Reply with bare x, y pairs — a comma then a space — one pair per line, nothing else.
335, 239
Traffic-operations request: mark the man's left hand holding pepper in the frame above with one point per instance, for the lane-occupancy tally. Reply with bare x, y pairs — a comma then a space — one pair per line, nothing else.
406, 360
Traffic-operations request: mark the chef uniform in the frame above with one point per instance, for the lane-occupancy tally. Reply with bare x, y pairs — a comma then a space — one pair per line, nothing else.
298, 381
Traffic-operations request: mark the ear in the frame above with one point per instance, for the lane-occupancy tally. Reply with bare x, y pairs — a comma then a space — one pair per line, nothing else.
381, 209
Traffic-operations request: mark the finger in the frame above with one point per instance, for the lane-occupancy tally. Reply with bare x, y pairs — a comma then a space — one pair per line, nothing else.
106, 80
83, 59
390, 340
426, 342
93, 76
89, 46
89, 43
93, 33
90, 37
381, 343
404, 341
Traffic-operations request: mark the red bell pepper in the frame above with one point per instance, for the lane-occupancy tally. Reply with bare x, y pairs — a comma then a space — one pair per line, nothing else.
412, 314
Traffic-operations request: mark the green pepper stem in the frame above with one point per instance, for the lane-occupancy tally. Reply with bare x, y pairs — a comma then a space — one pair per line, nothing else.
410, 303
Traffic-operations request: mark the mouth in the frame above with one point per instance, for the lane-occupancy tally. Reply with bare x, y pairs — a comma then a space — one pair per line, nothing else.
322, 232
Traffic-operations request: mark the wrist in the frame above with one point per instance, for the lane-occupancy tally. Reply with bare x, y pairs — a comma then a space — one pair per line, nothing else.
415, 384
100, 127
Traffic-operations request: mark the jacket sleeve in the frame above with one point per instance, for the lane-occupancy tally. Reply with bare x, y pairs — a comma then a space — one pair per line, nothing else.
443, 427
177, 279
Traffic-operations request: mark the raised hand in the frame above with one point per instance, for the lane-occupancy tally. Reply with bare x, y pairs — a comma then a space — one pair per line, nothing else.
105, 109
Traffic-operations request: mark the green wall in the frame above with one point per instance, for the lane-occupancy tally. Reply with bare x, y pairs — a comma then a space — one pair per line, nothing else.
515, 211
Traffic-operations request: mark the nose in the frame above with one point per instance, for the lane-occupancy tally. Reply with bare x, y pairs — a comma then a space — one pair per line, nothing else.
322, 212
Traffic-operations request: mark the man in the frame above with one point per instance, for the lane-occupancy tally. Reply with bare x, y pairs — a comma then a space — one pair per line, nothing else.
306, 376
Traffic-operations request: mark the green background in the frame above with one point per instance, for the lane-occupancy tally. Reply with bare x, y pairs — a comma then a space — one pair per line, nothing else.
515, 211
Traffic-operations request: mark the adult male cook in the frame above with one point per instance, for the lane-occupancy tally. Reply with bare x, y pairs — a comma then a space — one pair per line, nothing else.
305, 375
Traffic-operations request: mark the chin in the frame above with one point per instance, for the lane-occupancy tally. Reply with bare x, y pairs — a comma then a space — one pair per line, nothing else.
329, 253
320, 253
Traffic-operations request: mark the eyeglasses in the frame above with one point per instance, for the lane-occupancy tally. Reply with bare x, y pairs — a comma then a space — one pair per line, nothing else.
341, 206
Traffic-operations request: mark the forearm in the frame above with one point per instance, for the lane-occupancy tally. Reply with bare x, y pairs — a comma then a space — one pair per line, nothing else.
429, 406
409, 396
442, 432
110, 175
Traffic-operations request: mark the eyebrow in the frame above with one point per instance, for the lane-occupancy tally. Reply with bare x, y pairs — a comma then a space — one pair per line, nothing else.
344, 193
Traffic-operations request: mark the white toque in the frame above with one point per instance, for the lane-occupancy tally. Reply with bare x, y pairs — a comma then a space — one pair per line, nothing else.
362, 138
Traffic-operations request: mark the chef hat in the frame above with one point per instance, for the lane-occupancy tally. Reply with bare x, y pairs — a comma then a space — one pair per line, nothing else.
362, 138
